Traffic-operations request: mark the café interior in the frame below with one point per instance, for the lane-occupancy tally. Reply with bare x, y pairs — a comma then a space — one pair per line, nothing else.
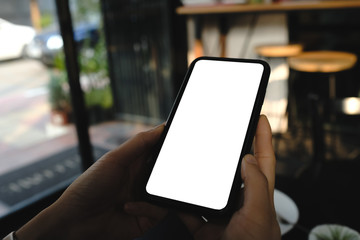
312, 99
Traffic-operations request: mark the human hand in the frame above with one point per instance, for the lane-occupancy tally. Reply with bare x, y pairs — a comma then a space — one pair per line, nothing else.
256, 219
92, 207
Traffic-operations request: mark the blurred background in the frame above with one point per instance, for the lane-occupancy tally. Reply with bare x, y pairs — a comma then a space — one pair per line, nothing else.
130, 59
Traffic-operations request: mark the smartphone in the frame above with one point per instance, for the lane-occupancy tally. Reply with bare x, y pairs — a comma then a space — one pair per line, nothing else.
211, 126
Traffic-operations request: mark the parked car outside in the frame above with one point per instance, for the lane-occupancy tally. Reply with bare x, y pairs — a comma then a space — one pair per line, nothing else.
47, 44
14, 39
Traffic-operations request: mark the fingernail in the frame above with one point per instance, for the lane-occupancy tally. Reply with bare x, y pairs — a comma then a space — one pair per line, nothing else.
250, 159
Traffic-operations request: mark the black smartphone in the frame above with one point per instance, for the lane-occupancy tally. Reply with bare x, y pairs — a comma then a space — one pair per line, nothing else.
211, 126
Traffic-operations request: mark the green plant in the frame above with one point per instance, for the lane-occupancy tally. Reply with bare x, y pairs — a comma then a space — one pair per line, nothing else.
85, 10
99, 97
47, 19
94, 77
59, 61
93, 65
58, 92
92, 61
336, 233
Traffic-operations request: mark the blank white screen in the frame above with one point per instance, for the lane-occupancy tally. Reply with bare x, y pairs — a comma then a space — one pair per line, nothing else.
200, 154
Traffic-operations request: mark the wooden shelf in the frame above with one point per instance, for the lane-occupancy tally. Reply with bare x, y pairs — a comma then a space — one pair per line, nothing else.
272, 7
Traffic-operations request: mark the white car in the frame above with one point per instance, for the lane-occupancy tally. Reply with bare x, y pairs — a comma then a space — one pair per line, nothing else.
14, 39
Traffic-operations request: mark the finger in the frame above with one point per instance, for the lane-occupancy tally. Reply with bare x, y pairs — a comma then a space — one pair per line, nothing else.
264, 153
135, 147
144, 209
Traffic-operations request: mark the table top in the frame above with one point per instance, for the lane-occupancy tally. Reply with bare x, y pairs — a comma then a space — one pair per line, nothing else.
323, 61
270, 7
288, 50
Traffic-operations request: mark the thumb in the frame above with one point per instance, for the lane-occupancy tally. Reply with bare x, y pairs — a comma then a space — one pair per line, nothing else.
256, 192
257, 218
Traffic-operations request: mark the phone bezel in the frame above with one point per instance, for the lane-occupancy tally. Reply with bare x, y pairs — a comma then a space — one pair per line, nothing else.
237, 181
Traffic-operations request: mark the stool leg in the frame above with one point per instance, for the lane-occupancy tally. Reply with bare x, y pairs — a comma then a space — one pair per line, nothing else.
332, 86
318, 140
291, 107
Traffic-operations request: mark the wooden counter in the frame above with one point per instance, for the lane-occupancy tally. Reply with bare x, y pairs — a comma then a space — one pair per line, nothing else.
272, 7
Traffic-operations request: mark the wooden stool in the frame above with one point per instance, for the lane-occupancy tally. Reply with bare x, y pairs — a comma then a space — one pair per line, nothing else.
329, 62
277, 108
281, 51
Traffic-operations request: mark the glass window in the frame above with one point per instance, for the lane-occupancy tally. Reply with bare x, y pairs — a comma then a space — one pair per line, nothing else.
130, 93
38, 143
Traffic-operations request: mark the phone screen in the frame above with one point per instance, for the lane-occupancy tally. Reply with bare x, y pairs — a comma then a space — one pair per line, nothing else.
201, 152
